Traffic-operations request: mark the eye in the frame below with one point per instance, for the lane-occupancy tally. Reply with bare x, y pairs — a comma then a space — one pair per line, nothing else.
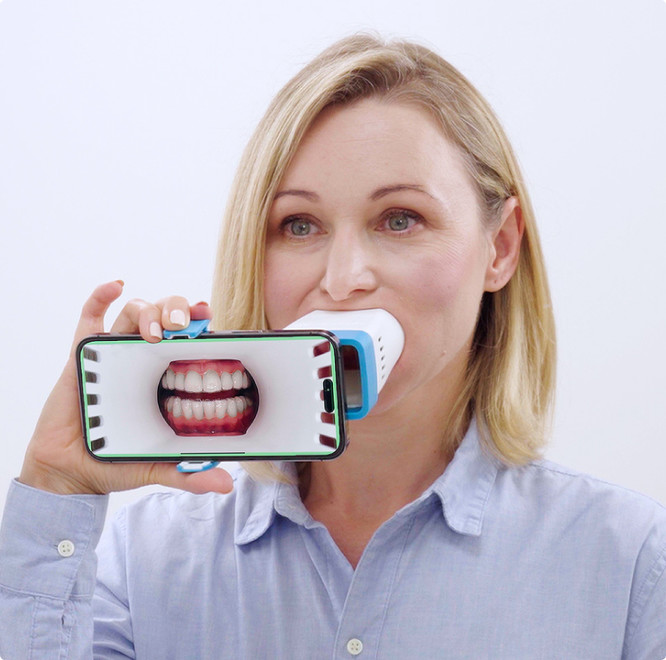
399, 221
298, 227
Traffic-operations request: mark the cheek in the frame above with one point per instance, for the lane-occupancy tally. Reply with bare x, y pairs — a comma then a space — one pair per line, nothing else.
284, 288
441, 304
434, 284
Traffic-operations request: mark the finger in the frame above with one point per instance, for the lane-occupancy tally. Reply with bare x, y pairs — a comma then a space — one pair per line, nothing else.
149, 323
139, 316
175, 312
92, 314
216, 480
200, 310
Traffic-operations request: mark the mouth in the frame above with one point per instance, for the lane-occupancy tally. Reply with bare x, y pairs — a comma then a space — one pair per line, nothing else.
207, 397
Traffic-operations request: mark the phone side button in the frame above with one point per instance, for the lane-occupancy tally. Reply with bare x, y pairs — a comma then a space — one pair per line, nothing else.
329, 405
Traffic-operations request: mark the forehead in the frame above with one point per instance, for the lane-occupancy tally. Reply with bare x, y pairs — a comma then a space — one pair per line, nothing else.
373, 141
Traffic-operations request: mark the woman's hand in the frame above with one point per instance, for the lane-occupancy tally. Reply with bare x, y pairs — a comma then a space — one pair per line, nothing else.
56, 459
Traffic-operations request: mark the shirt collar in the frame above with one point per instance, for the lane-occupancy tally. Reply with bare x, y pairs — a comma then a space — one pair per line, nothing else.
258, 502
463, 490
465, 486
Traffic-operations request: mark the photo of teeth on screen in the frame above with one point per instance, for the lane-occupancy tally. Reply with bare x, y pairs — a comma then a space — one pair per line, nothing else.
201, 397
194, 398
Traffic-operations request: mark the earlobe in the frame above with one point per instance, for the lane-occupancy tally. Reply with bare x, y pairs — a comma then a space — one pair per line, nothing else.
505, 247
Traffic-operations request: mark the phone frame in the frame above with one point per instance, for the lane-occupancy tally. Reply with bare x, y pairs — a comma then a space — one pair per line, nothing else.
336, 378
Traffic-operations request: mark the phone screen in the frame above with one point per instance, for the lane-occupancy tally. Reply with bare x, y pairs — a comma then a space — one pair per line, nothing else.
230, 396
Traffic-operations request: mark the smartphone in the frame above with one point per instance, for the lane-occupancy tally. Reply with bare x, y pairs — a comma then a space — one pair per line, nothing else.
242, 395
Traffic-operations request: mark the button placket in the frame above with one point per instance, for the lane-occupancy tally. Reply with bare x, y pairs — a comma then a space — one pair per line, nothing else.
361, 626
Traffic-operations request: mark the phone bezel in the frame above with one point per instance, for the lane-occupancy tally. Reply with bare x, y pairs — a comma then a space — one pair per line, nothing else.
337, 378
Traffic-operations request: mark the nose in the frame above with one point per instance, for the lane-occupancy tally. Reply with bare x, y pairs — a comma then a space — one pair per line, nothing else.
349, 268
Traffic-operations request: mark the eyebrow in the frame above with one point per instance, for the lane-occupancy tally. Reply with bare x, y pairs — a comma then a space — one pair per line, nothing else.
312, 197
387, 190
377, 194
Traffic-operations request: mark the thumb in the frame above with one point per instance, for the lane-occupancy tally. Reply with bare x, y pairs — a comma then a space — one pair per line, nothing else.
216, 480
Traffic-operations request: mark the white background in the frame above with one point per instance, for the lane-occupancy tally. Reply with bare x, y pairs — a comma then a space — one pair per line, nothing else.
122, 122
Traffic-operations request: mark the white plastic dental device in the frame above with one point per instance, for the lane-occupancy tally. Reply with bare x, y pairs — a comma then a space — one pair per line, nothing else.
376, 337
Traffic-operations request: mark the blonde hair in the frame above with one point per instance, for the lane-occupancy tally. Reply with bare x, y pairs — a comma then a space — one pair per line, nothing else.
510, 378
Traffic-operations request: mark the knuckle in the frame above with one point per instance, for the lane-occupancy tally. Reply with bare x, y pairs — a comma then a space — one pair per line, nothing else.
171, 302
135, 303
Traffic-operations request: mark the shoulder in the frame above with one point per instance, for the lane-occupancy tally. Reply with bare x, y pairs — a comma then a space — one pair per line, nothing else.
603, 520
605, 530
558, 489
552, 480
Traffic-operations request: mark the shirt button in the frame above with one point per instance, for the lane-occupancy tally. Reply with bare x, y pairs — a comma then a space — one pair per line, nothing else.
354, 646
65, 548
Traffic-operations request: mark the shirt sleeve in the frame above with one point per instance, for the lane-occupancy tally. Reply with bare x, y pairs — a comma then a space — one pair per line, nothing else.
47, 573
646, 630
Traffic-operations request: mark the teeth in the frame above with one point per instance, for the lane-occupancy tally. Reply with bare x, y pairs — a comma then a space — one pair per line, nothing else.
220, 408
211, 381
193, 382
198, 409
209, 409
237, 379
177, 407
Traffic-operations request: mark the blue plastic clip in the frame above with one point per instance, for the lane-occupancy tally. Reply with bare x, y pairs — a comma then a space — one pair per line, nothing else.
196, 466
192, 331
362, 342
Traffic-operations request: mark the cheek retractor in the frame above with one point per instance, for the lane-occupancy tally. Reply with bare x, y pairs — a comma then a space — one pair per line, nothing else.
371, 343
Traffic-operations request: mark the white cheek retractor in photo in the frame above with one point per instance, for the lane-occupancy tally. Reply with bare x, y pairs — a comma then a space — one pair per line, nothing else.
236, 395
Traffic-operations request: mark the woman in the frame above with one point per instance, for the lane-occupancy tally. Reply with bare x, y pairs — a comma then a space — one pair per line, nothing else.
378, 178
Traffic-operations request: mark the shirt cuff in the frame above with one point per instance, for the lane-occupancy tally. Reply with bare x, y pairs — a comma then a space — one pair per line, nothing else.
47, 542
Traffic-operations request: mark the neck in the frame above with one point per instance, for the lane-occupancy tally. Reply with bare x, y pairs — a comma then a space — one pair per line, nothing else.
392, 458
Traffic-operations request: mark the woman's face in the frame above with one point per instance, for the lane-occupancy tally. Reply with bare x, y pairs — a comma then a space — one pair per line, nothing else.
377, 210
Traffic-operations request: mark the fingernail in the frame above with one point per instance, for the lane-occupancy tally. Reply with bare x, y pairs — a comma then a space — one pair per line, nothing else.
177, 317
201, 302
155, 330
120, 282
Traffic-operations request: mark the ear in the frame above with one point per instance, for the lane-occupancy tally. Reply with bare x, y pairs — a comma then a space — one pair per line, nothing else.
505, 246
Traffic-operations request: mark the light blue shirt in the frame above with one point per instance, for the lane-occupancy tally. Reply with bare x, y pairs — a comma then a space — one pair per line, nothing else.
489, 563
